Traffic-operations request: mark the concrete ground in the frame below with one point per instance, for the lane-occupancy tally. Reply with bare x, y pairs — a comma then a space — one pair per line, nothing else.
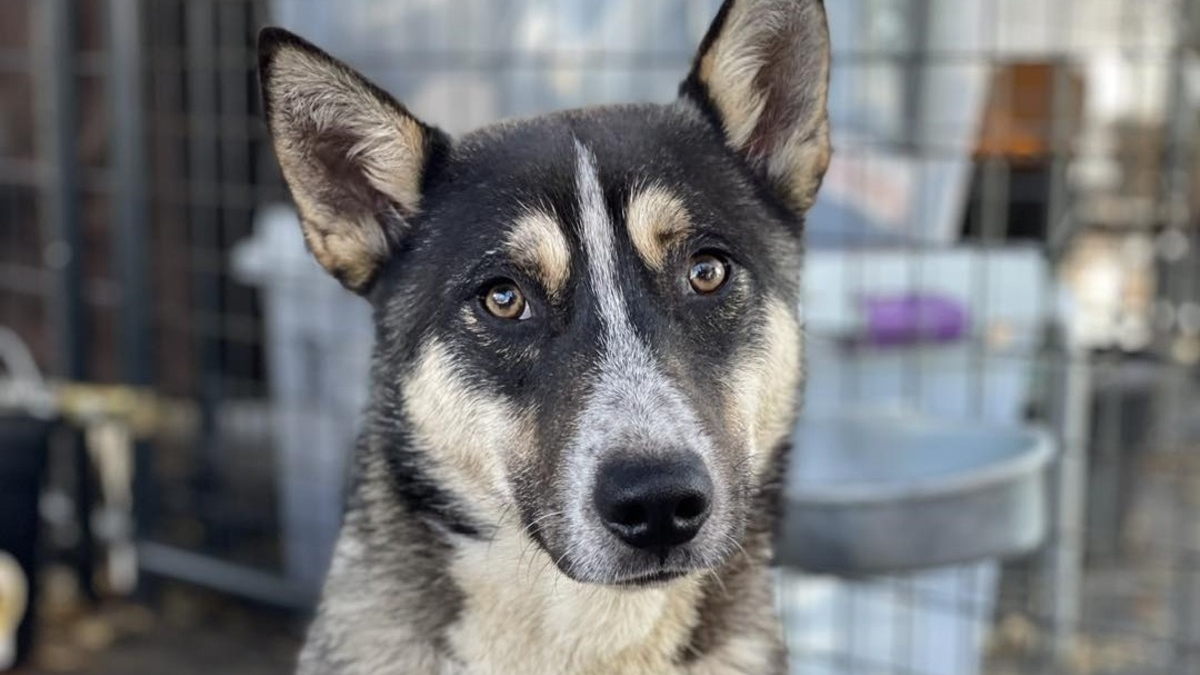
189, 632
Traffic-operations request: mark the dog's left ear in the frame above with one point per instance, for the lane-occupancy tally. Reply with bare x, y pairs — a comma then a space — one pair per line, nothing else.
354, 159
763, 72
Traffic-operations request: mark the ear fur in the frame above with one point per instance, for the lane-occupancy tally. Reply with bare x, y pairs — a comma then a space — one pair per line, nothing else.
353, 158
763, 72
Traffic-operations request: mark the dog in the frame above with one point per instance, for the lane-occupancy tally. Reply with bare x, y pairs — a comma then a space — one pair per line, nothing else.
587, 364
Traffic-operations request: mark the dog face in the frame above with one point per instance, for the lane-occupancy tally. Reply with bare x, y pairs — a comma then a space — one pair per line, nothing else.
586, 321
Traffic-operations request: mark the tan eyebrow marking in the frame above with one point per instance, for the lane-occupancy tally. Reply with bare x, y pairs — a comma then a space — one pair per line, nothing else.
537, 243
657, 221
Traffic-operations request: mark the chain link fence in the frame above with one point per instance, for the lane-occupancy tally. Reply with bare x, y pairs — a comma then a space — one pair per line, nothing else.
1031, 162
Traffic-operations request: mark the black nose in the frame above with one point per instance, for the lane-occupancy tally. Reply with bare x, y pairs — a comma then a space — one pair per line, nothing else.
654, 503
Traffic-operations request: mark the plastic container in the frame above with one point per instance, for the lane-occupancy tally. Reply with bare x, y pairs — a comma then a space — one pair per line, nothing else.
319, 341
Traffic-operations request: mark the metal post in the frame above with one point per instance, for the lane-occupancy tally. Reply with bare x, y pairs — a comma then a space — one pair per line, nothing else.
131, 223
1185, 601
57, 122
129, 197
239, 580
916, 71
203, 214
1060, 225
203, 195
1064, 569
57, 104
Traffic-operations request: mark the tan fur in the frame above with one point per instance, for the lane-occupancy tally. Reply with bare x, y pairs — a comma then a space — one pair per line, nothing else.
800, 167
311, 98
521, 615
731, 69
358, 612
657, 221
468, 433
350, 252
751, 652
537, 243
763, 391
730, 77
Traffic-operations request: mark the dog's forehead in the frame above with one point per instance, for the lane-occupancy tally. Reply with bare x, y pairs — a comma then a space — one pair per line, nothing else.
518, 182
625, 137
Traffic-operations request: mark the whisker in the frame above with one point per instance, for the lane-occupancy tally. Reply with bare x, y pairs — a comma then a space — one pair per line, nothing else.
716, 576
737, 545
570, 549
530, 542
499, 528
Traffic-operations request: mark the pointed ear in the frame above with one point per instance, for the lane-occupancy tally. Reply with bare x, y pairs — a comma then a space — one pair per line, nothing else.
353, 158
763, 72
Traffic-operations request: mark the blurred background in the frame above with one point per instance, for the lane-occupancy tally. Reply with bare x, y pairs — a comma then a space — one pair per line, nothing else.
1007, 248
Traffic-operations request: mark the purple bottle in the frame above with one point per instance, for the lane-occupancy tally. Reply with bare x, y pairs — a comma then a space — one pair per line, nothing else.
902, 320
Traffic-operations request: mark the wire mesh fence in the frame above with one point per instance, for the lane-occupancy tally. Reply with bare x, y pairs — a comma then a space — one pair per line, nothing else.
1031, 161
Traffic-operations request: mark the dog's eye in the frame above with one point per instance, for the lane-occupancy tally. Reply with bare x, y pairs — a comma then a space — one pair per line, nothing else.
707, 272
505, 301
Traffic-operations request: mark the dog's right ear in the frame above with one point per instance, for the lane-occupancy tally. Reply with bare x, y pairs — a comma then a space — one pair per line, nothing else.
353, 158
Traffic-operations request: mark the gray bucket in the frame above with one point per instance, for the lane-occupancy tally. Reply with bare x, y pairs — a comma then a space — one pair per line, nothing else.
892, 534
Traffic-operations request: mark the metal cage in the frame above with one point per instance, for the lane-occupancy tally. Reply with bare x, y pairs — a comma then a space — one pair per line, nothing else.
1048, 148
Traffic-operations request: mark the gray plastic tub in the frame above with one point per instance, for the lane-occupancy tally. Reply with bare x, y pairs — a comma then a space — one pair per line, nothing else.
875, 495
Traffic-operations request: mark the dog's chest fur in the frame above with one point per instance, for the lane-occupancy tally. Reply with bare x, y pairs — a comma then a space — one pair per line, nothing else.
520, 616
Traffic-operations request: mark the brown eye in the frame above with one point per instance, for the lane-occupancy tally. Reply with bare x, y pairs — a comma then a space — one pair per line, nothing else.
708, 273
504, 300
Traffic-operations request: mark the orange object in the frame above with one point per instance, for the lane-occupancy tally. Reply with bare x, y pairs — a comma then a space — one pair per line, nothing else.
1018, 123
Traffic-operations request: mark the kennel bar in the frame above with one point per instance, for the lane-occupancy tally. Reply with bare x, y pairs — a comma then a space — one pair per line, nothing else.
56, 115
57, 105
131, 218
266, 587
124, 23
1063, 563
1180, 173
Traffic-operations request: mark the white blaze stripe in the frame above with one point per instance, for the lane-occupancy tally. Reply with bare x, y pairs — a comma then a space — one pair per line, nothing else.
631, 401
630, 385
600, 246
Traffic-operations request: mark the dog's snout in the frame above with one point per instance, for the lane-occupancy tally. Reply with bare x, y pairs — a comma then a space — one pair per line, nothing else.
654, 504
